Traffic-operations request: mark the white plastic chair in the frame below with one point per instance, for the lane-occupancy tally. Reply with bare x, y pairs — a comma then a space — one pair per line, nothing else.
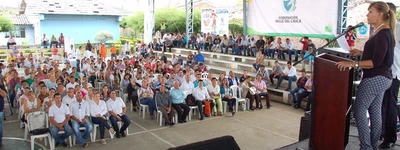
204, 76
33, 137
192, 108
159, 116
94, 132
143, 108
192, 112
53, 141
235, 89
119, 126
80, 129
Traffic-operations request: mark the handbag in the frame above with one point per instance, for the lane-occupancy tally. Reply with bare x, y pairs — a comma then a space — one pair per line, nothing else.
190, 100
252, 90
216, 96
40, 131
207, 108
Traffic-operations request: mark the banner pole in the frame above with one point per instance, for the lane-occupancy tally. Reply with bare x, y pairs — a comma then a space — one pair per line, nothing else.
244, 17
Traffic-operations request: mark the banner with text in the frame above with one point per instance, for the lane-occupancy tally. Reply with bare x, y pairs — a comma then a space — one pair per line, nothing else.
312, 18
215, 21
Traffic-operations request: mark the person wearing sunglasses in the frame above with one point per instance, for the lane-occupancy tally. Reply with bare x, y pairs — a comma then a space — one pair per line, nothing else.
80, 118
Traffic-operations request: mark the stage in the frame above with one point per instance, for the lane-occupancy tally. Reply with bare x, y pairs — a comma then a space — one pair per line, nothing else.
352, 145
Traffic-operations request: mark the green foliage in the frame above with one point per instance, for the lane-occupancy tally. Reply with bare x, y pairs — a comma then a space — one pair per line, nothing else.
235, 29
123, 24
398, 14
174, 18
24, 42
136, 22
5, 24
103, 36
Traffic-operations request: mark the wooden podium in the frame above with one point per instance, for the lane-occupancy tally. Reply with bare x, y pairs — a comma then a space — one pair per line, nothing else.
332, 98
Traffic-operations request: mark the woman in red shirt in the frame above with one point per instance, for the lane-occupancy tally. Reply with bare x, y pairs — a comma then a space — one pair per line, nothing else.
350, 37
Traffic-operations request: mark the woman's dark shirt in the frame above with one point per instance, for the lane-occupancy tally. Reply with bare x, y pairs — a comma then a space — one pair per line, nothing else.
379, 49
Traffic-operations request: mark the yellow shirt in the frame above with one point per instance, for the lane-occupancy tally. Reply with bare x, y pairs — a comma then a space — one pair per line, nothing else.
11, 58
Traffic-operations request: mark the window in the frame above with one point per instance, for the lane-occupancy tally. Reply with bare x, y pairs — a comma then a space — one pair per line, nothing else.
18, 32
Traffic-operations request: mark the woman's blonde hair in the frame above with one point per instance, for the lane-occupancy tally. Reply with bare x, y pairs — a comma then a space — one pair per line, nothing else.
388, 15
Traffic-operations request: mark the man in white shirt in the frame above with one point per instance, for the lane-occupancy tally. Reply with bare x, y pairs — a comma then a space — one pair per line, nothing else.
201, 95
127, 48
80, 118
181, 77
70, 97
288, 47
78, 58
59, 116
72, 82
214, 91
45, 41
117, 109
11, 41
243, 46
289, 73
174, 59
88, 54
187, 86
389, 104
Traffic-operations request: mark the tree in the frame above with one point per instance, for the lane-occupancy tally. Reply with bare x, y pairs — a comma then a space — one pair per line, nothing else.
5, 24
123, 24
136, 22
103, 36
235, 29
236, 26
174, 18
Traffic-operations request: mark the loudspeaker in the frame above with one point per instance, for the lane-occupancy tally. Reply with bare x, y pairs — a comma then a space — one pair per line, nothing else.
305, 128
220, 143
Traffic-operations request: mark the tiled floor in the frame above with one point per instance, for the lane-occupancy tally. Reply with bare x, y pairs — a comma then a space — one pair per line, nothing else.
260, 129
265, 129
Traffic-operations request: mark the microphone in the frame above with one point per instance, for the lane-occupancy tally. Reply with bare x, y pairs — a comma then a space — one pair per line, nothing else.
357, 26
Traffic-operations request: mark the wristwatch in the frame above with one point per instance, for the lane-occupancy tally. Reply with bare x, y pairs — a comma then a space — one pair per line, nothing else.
355, 65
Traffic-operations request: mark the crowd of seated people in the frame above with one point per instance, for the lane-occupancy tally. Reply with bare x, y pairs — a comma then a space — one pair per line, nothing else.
170, 85
240, 45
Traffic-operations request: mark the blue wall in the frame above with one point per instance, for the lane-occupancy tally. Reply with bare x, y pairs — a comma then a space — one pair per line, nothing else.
79, 27
29, 36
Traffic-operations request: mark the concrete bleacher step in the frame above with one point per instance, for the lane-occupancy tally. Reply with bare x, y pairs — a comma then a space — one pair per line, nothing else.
244, 59
232, 64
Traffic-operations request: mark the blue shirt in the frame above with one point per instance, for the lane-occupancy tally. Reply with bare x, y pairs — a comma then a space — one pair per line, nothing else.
222, 90
196, 84
231, 41
310, 58
199, 58
177, 96
230, 81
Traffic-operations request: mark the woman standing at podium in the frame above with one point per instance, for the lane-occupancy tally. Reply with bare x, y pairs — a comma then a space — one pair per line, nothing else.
377, 59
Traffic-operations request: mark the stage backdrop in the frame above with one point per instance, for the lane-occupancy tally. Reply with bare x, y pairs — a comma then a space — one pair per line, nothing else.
215, 21
312, 18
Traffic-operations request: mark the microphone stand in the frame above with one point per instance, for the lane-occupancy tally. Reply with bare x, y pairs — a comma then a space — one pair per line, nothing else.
314, 53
